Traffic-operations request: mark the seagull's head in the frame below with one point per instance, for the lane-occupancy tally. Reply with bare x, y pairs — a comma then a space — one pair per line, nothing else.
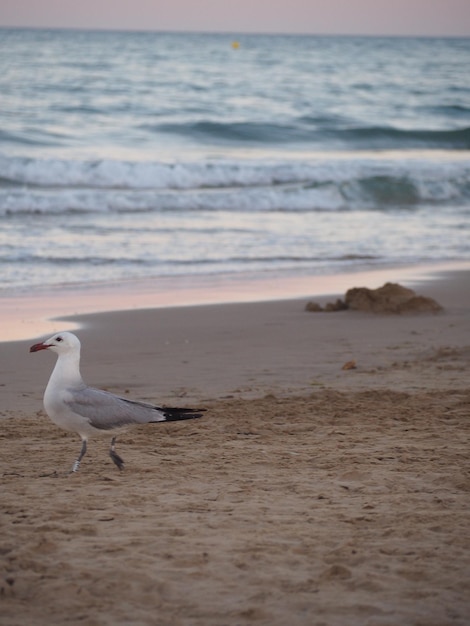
60, 343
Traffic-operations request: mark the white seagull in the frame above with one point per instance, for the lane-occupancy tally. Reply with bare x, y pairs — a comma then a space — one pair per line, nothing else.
73, 406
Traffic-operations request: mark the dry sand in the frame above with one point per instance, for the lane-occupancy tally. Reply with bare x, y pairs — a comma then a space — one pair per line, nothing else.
308, 494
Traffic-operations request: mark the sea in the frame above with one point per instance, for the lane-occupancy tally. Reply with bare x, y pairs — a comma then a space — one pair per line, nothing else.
143, 155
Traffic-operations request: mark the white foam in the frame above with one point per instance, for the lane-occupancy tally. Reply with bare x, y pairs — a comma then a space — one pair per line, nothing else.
55, 185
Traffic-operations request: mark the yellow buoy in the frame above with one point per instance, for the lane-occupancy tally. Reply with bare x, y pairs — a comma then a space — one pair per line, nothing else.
235, 45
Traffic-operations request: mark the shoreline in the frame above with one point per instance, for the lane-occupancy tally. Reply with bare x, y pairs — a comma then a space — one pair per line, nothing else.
29, 315
250, 349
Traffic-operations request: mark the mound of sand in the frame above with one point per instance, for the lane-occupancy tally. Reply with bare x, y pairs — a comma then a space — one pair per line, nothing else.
391, 298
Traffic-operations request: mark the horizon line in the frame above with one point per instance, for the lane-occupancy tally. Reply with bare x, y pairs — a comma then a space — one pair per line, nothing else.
250, 33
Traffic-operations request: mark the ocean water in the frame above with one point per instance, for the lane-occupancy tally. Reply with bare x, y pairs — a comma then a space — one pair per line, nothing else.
138, 155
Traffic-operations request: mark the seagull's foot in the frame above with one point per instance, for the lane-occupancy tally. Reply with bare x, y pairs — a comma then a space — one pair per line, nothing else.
76, 465
116, 459
115, 456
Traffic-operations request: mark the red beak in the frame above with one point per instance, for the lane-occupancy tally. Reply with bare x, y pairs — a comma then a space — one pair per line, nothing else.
39, 346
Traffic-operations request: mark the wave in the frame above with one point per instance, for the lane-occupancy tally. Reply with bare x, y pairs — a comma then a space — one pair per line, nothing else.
29, 138
59, 186
452, 110
253, 132
321, 131
386, 137
100, 261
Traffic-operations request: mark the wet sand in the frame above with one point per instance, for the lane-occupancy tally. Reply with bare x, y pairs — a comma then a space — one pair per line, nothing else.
307, 495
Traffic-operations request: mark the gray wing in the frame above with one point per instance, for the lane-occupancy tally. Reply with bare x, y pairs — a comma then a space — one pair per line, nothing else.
105, 411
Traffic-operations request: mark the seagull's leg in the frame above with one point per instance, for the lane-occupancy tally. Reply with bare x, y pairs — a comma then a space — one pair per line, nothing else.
76, 465
114, 455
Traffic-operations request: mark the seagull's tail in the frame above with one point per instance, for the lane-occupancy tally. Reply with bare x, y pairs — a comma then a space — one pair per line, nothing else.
174, 414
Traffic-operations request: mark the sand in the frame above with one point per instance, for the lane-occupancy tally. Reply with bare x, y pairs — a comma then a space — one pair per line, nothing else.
307, 495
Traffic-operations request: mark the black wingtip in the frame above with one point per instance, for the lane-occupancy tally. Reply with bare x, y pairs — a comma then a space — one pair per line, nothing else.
175, 414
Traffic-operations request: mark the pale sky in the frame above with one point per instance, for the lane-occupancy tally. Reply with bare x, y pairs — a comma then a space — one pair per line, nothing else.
370, 17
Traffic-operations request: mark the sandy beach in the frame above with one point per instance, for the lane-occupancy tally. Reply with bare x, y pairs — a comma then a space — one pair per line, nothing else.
307, 495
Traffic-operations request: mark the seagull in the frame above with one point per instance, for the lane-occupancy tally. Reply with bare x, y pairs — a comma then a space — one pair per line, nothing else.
74, 406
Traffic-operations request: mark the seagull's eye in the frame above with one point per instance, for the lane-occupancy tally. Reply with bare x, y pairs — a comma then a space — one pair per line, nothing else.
59, 339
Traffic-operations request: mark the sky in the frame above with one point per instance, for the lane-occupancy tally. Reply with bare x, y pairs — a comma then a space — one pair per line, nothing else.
368, 17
